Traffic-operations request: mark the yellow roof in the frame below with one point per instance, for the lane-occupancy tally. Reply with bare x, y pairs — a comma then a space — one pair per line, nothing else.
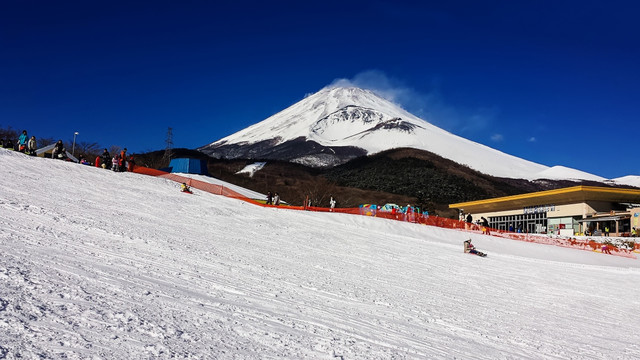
568, 195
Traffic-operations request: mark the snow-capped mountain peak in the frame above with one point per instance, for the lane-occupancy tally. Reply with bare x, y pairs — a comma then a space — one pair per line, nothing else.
337, 124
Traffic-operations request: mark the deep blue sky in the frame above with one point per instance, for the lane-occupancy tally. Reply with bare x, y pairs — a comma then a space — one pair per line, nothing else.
555, 82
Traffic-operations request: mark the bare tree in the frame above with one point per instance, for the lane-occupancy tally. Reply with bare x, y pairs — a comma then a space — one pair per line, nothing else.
114, 149
319, 191
87, 148
45, 141
8, 134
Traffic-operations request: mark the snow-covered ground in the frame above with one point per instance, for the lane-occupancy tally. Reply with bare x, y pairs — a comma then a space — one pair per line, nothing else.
102, 265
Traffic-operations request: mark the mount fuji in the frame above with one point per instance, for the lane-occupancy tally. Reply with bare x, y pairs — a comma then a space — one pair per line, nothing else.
337, 124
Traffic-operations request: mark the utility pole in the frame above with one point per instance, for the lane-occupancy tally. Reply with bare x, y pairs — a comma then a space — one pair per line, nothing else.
168, 152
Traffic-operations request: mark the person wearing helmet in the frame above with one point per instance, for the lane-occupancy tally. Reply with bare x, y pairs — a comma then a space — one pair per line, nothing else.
470, 249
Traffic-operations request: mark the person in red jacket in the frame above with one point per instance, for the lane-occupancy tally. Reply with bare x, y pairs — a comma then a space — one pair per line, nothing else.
123, 159
97, 162
131, 163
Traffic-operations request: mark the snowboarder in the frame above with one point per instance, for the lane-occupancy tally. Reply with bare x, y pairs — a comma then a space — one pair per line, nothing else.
276, 199
269, 198
469, 248
332, 204
185, 188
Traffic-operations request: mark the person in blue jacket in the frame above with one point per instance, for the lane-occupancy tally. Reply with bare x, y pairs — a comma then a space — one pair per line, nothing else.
22, 141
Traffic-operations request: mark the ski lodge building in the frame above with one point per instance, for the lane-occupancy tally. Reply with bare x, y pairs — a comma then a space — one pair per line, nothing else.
576, 210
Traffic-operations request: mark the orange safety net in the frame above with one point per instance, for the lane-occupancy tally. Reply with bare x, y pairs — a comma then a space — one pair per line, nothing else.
372, 210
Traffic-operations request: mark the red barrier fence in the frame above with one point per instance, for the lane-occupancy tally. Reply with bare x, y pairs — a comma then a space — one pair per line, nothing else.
371, 210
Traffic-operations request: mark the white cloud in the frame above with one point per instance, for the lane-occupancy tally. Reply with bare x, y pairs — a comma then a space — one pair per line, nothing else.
431, 106
532, 139
497, 137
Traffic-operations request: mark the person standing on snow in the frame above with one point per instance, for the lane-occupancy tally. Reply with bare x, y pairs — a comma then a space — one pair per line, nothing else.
131, 163
121, 161
32, 146
106, 159
58, 148
22, 141
115, 163
276, 199
332, 204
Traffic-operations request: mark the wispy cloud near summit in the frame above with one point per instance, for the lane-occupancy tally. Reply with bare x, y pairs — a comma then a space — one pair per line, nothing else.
430, 106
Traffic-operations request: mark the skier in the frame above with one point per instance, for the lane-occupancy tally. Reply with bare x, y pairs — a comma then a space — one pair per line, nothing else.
332, 204
469, 248
269, 198
276, 199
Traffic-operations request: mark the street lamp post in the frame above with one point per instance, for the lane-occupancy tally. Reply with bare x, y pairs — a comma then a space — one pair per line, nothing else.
73, 148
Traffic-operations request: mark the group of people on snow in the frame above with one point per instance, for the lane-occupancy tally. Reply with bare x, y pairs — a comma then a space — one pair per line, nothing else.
119, 162
23, 144
273, 199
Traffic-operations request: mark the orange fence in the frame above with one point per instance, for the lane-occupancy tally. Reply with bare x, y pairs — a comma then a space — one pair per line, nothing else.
372, 210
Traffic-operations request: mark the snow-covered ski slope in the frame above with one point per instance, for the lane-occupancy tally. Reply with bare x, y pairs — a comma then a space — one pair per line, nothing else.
103, 265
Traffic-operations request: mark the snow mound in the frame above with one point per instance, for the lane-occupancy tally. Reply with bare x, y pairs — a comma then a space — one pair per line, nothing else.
251, 169
632, 180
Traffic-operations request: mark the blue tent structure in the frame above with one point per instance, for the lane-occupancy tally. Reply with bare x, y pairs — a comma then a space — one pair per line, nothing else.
189, 166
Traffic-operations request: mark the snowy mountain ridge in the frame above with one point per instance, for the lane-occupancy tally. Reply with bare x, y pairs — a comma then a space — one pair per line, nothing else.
336, 118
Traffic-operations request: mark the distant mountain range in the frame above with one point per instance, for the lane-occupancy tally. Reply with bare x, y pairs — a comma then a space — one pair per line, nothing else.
338, 124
